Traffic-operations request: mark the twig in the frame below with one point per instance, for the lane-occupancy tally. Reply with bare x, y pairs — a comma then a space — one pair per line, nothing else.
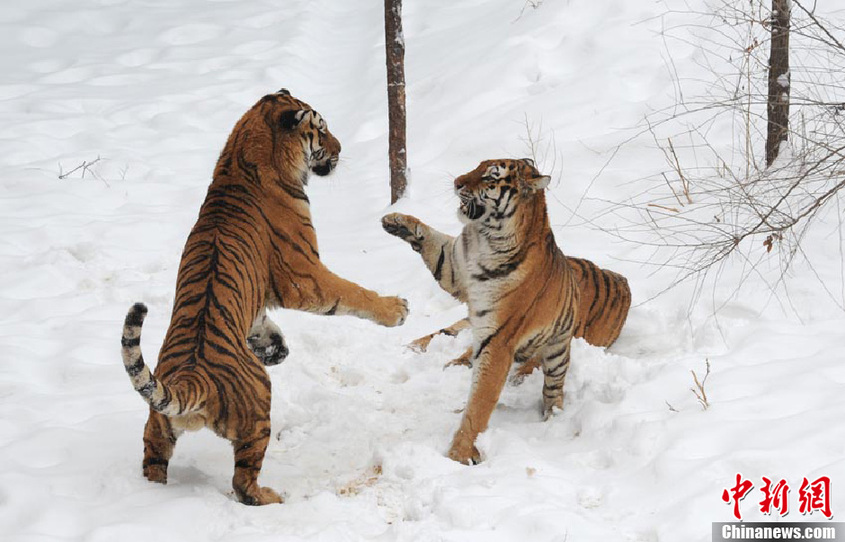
665, 178
698, 390
680, 172
534, 4
84, 166
663, 207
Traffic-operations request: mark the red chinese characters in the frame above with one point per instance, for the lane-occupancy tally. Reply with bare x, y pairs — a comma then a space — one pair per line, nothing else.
774, 497
737, 493
814, 496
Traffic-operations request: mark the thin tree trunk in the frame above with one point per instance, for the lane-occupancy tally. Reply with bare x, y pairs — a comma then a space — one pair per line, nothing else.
394, 44
778, 101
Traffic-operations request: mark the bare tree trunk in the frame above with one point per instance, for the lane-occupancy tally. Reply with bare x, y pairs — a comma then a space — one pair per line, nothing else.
394, 44
778, 101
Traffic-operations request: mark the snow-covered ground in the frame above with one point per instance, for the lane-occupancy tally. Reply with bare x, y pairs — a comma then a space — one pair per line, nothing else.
152, 88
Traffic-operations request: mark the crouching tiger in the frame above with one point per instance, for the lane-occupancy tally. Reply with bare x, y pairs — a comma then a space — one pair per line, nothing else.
252, 247
525, 298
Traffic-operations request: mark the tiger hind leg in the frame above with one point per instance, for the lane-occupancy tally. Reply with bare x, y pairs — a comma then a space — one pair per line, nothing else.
266, 341
249, 457
464, 360
421, 344
523, 370
555, 366
159, 441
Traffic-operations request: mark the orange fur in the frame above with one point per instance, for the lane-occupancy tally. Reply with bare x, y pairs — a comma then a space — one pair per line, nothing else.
252, 247
522, 294
605, 301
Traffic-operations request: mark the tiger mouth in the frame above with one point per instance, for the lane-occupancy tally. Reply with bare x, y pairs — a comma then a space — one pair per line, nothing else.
471, 209
325, 167
322, 169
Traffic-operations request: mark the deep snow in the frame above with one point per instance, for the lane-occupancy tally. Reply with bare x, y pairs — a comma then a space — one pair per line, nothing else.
152, 88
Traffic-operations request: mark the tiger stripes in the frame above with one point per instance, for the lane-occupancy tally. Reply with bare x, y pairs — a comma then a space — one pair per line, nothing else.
525, 299
253, 247
605, 301
605, 295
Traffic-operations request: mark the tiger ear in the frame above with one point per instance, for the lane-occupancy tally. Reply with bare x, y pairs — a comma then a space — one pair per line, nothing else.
528, 161
537, 183
291, 119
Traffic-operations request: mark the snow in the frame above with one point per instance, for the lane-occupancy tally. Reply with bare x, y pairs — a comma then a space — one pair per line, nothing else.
360, 423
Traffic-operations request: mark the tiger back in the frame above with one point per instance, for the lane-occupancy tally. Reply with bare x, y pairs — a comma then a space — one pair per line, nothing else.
604, 305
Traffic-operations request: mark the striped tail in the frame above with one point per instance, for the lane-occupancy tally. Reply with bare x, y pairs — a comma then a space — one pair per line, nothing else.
157, 394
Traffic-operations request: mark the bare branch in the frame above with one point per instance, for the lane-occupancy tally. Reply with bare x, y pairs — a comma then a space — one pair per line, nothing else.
699, 390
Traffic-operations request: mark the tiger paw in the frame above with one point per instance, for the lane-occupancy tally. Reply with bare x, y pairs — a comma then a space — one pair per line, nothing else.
421, 345
523, 371
394, 311
156, 473
464, 360
270, 348
405, 227
464, 452
551, 407
263, 496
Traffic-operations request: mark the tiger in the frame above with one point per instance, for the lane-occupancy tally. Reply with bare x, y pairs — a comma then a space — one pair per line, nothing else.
605, 295
605, 298
526, 300
252, 248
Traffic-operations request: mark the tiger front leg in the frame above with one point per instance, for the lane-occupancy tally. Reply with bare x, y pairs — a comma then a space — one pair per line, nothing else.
491, 372
266, 341
406, 227
438, 250
335, 295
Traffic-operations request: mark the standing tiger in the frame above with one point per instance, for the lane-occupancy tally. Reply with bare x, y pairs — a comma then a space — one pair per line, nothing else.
252, 247
523, 295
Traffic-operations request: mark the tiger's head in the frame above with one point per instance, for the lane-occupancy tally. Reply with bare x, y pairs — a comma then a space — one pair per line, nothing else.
491, 193
290, 117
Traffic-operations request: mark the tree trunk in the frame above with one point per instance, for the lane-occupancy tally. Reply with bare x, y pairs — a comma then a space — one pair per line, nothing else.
778, 101
394, 44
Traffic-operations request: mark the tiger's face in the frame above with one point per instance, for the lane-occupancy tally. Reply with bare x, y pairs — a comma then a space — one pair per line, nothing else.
494, 190
321, 149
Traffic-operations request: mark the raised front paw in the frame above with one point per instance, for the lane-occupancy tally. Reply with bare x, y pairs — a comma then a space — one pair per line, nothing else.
405, 227
270, 348
393, 311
